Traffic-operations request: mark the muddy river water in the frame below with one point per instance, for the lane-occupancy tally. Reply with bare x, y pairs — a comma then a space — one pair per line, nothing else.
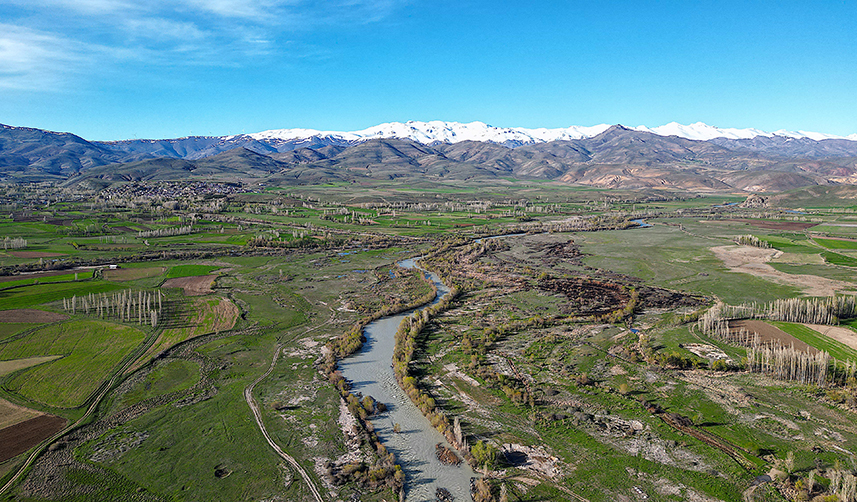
371, 374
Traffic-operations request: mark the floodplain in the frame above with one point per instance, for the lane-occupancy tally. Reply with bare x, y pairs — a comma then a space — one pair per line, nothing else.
706, 355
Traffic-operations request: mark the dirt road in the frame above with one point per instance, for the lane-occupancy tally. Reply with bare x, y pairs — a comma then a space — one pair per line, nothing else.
257, 414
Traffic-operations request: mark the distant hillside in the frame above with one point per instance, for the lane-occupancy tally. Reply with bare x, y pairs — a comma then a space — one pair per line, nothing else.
613, 157
34, 155
236, 164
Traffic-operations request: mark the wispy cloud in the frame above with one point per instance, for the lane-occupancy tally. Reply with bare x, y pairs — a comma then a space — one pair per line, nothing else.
47, 43
258, 10
34, 60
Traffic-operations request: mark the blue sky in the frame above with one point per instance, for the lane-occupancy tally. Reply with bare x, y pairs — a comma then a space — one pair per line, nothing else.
116, 69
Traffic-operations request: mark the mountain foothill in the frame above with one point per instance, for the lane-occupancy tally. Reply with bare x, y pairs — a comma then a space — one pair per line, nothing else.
616, 157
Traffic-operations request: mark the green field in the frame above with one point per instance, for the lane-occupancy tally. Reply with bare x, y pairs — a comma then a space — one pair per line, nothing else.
91, 350
836, 273
8, 329
207, 315
29, 296
792, 244
666, 257
189, 270
838, 259
84, 274
811, 337
836, 243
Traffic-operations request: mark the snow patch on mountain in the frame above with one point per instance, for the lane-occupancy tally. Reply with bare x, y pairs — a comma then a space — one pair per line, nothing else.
702, 132
815, 136
438, 131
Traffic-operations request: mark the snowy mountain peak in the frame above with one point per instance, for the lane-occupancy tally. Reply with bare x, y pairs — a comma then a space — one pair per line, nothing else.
438, 131
700, 131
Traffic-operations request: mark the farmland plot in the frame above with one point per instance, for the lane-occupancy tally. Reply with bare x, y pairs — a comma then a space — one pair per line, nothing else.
90, 348
210, 315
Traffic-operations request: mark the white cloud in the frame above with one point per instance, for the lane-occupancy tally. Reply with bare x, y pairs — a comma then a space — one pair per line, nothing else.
242, 9
162, 29
45, 44
33, 60
98, 7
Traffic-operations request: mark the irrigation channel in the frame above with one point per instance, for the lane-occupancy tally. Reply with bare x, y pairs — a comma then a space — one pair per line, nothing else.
371, 373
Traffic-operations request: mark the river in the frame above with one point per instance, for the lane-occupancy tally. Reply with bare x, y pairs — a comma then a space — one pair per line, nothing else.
371, 373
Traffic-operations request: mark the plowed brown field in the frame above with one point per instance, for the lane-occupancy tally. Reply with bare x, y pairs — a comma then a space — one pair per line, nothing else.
769, 333
30, 315
19, 438
130, 274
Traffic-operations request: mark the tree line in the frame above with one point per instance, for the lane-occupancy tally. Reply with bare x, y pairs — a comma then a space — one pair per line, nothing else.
143, 307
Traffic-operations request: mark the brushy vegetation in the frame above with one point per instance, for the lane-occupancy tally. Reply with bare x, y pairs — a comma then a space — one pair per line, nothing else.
752, 240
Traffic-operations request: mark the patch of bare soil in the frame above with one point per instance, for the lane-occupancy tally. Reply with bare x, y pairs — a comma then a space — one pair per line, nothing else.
532, 459
753, 261
30, 315
227, 314
130, 274
348, 425
13, 365
310, 349
770, 334
706, 351
34, 254
197, 285
670, 488
840, 334
453, 370
11, 413
20, 437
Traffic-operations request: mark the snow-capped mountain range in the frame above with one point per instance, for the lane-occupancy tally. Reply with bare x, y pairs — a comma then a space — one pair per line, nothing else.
454, 132
695, 156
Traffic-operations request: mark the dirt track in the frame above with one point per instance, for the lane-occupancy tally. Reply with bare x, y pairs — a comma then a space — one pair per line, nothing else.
197, 285
257, 414
19, 438
753, 261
